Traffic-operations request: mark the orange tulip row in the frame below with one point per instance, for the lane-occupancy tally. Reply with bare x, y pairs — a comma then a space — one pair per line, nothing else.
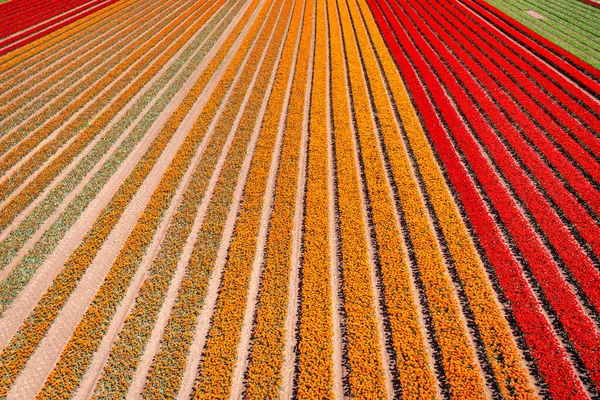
414, 370
167, 369
218, 361
24, 137
138, 322
264, 373
90, 331
315, 327
25, 341
501, 351
365, 376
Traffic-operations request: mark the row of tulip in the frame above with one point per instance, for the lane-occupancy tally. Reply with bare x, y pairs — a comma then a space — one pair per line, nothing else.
581, 223
91, 92
263, 377
362, 349
25, 88
582, 73
544, 345
166, 372
140, 74
220, 351
88, 334
128, 348
18, 18
45, 209
53, 43
25, 341
559, 239
314, 359
36, 27
496, 337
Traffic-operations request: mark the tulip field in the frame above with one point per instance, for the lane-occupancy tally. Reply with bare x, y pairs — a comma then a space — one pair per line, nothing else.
299, 199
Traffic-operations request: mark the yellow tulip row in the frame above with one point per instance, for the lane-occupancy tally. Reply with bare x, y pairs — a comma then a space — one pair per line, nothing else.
50, 78
167, 369
24, 138
24, 342
414, 370
264, 373
219, 356
60, 37
501, 351
363, 351
315, 327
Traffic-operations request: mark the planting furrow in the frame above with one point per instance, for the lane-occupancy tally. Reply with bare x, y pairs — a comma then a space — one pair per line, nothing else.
262, 369
314, 375
49, 138
221, 345
284, 158
131, 332
73, 181
361, 351
88, 134
30, 334
508, 272
181, 313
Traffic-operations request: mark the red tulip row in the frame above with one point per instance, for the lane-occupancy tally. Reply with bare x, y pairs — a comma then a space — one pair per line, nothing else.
266, 355
314, 361
550, 356
220, 351
44, 29
166, 371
